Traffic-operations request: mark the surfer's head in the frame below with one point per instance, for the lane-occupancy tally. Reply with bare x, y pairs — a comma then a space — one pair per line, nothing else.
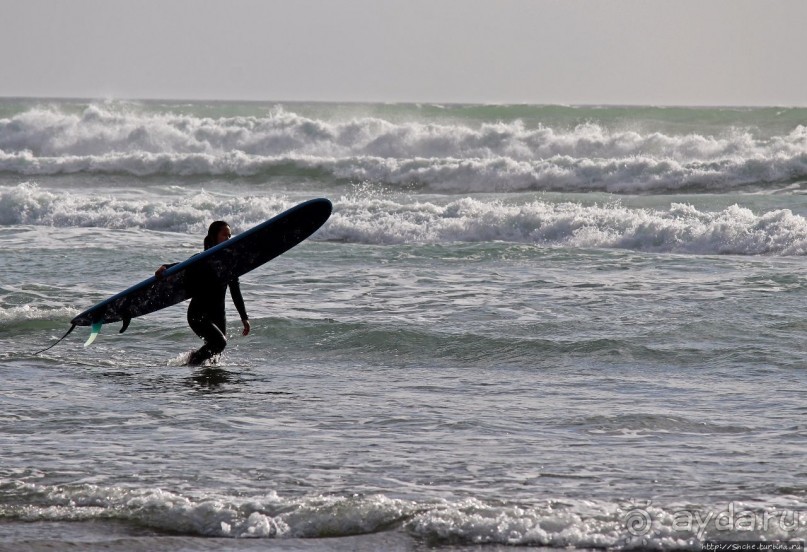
217, 233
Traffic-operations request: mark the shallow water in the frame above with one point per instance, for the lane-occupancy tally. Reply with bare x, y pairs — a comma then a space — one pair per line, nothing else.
432, 369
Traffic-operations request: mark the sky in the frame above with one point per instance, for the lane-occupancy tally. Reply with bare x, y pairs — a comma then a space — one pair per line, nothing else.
604, 52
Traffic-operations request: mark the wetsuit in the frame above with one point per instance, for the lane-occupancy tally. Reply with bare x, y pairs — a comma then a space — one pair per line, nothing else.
206, 310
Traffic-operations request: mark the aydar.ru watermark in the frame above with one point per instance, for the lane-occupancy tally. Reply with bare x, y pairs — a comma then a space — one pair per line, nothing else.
639, 520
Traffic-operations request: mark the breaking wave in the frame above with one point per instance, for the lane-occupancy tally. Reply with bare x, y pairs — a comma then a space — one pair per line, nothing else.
568, 523
447, 156
681, 228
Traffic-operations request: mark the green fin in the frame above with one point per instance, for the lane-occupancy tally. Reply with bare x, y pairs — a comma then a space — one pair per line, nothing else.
96, 327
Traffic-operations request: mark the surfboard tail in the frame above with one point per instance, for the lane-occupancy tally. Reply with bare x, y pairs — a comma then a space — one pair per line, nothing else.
96, 328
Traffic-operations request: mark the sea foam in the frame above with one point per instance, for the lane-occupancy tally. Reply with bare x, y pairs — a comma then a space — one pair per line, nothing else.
570, 523
447, 157
369, 219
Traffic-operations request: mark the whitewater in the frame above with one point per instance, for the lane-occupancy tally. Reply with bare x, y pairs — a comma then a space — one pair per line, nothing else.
573, 327
500, 156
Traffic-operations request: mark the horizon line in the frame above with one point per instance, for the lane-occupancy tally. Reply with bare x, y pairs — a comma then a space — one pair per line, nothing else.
404, 102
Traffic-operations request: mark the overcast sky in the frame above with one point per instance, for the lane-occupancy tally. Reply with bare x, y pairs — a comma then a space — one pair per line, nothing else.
673, 52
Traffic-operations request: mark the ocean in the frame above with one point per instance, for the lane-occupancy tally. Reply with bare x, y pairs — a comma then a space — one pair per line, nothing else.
545, 326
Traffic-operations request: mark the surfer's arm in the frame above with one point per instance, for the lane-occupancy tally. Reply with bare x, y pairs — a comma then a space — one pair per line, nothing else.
238, 299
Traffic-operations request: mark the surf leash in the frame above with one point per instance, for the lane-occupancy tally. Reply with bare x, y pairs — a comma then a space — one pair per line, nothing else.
73, 327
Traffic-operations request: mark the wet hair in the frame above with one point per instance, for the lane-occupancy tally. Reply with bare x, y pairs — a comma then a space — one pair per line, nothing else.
213, 233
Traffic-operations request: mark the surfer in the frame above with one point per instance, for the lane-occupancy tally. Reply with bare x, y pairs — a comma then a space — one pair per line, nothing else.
206, 310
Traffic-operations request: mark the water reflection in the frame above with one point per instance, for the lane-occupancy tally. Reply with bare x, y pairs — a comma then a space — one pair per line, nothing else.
212, 379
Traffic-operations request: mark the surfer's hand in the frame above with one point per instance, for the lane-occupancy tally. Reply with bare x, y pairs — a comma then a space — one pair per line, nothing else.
159, 273
246, 327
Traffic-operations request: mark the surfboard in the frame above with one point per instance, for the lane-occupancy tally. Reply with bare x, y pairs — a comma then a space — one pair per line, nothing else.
228, 260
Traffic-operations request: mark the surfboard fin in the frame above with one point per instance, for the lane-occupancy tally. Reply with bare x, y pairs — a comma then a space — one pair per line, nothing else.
126, 322
73, 327
96, 327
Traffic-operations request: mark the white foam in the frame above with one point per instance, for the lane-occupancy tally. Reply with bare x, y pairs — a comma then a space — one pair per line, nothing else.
28, 204
368, 219
209, 515
444, 157
573, 523
22, 313
681, 228
602, 525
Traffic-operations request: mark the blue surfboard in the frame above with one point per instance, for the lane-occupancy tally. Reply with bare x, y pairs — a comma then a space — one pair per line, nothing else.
227, 261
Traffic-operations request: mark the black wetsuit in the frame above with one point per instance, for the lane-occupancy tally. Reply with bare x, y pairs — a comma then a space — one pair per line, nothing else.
206, 310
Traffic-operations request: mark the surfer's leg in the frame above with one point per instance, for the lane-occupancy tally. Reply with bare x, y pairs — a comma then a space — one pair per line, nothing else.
215, 341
